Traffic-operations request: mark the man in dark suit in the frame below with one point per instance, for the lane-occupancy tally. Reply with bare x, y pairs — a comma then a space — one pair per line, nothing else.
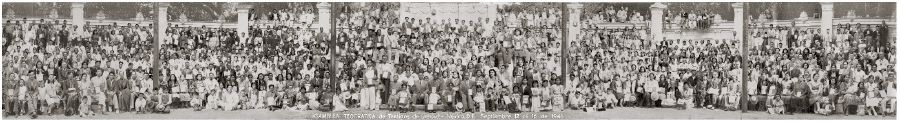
462, 94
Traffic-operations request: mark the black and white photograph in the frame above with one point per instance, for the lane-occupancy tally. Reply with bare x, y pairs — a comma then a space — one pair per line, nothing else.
449, 60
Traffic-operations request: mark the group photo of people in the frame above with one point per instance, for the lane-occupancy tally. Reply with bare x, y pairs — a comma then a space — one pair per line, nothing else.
574, 58
629, 71
842, 71
218, 69
54, 68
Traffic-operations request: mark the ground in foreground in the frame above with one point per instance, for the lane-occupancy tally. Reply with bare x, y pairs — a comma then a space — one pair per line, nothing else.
618, 113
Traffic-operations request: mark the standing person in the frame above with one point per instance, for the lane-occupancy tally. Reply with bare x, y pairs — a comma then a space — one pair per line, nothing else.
889, 105
99, 83
113, 91
536, 95
69, 85
368, 96
22, 103
466, 91
478, 97
85, 100
415, 86
393, 97
449, 92
126, 91
9, 94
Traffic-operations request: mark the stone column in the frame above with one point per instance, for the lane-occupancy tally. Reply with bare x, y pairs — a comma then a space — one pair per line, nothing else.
570, 19
827, 19
742, 42
243, 18
574, 19
324, 15
738, 25
492, 15
77, 13
656, 22
162, 22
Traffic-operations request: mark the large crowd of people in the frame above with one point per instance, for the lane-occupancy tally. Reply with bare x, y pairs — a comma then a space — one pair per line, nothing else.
675, 73
376, 59
611, 14
218, 69
796, 70
301, 15
691, 20
51, 67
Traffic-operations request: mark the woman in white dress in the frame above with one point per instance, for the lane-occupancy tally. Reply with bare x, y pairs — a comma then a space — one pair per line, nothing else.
536, 96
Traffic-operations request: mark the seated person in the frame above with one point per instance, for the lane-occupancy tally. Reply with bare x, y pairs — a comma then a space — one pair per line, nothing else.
574, 97
872, 99
230, 99
824, 106
449, 103
777, 106
687, 98
558, 100
212, 100
287, 97
433, 99
271, 104
160, 102
526, 103
403, 99
337, 101
140, 104
731, 101
669, 100
479, 99
378, 98
889, 103
393, 100
302, 100
610, 99
312, 100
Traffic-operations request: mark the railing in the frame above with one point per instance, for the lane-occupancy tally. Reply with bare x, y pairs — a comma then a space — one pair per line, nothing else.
720, 26
643, 25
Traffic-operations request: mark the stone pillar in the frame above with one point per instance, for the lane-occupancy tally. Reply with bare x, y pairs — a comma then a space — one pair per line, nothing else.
243, 18
656, 22
738, 25
492, 15
77, 13
574, 19
742, 42
162, 22
827, 19
571, 18
324, 15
